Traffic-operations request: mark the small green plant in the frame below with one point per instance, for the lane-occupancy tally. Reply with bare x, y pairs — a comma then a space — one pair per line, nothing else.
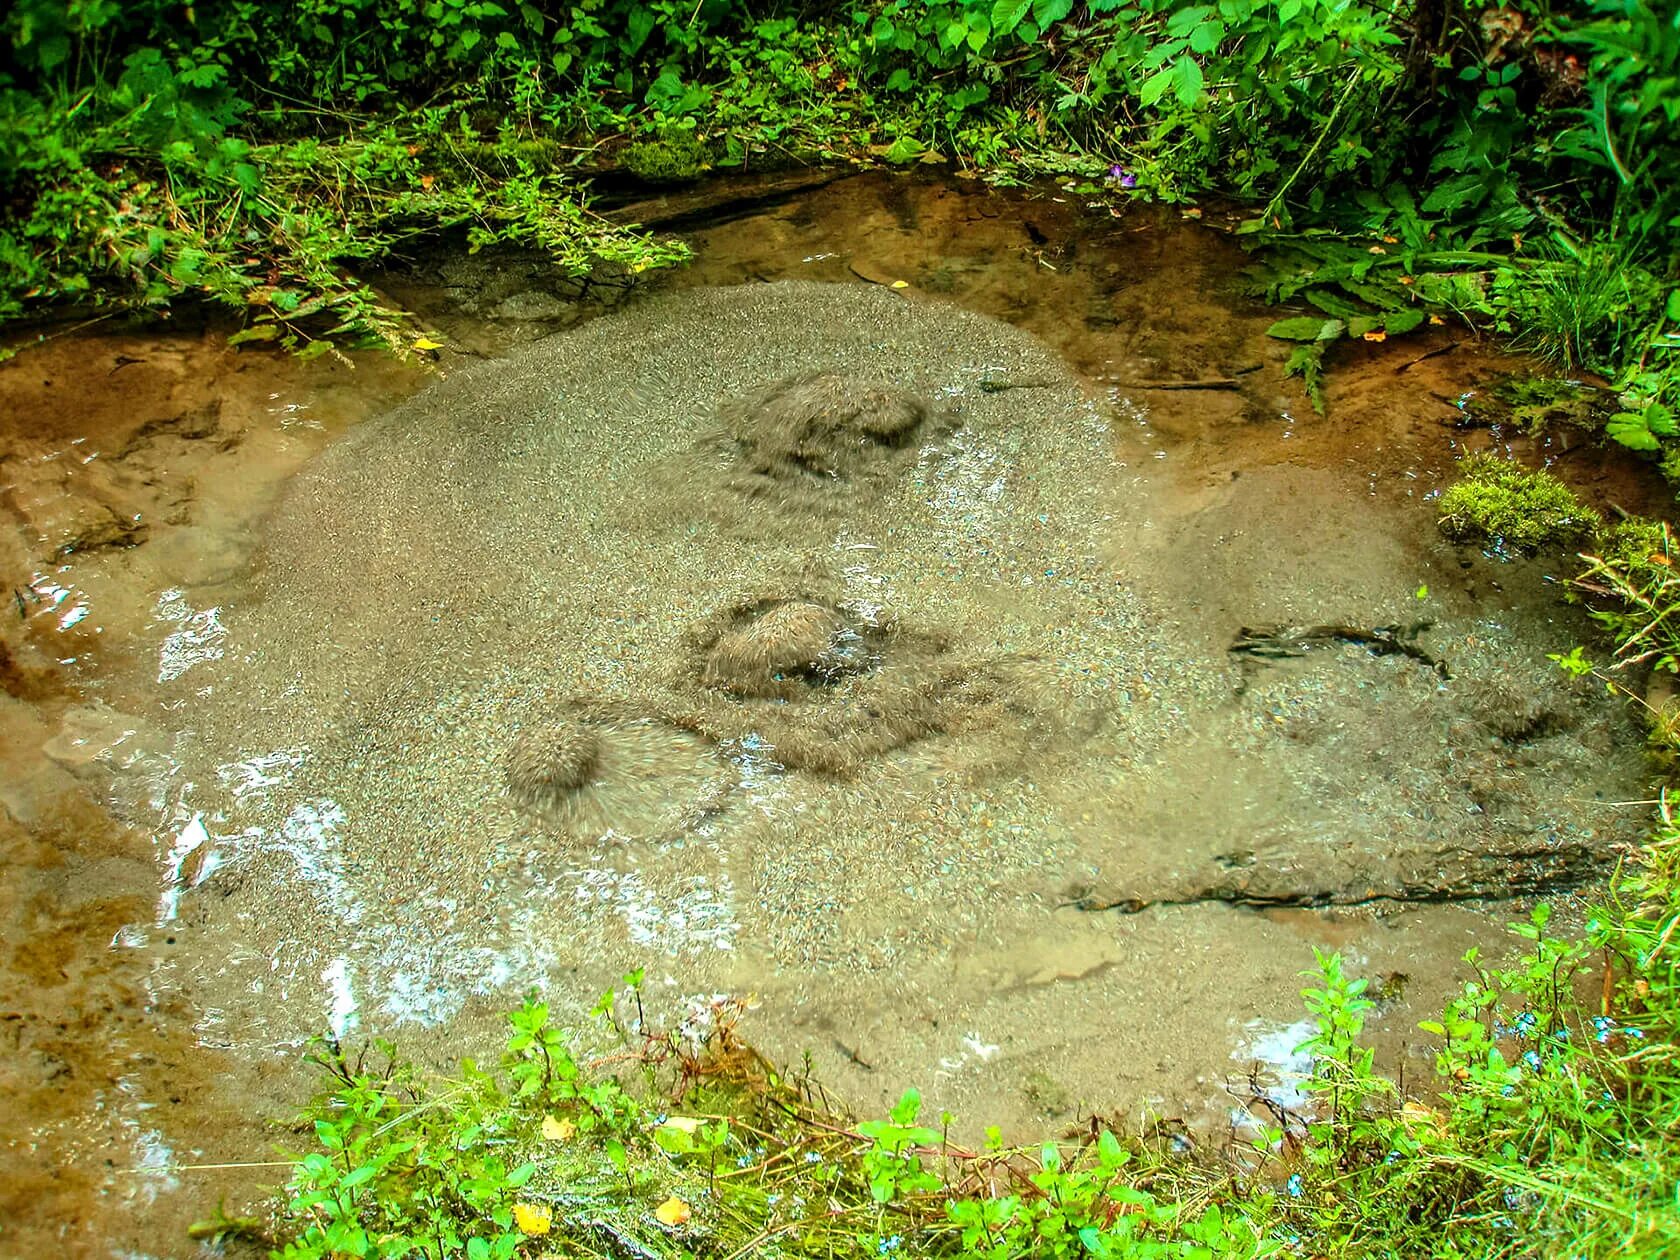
893, 1163
1498, 502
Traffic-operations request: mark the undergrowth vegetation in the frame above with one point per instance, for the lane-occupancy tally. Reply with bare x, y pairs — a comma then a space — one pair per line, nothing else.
1507, 165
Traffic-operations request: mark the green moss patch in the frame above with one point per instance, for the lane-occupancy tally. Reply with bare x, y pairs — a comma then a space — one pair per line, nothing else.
1500, 502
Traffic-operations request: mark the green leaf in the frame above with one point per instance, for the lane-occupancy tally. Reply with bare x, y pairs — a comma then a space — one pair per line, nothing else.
1205, 38
1334, 304
1630, 429
909, 1104
1007, 15
357, 1176
1307, 362
1155, 86
1190, 81
904, 150
1673, 307
1108, 1150
1048, 11
1660, 420
1457, 193
1402, 321
1306, 328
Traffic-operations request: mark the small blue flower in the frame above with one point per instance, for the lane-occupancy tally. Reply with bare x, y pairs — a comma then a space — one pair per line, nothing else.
1294, 1185
811, 1157
1603, 1027
1525, 1024
1635, 1033
1531, 1060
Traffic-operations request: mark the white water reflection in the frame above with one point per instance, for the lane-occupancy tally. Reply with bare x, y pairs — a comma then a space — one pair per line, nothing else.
1280, 1051
199, 635
699, 917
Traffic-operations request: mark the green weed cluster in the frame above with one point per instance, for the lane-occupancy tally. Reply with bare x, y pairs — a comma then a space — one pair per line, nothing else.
710, 1152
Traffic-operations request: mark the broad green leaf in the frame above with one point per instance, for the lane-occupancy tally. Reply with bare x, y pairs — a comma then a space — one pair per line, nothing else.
1205, 38
1190, 80
358, 1175
1629, 428
1108, 1150
1306, 328
909, 1104
1007, 15
1155, 86
1334, 304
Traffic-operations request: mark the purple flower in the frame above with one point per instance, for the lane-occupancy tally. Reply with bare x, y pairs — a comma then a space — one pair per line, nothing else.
1122, 176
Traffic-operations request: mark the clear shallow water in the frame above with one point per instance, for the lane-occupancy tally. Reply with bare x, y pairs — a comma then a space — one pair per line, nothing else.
287, 699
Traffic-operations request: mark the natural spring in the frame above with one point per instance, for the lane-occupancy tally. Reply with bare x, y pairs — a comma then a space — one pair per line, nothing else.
925, 660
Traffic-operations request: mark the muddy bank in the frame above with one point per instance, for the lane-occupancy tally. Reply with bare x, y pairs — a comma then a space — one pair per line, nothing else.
273, 747
132, 467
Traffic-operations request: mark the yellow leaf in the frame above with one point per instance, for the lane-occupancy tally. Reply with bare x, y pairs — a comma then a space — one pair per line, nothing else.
1416, 1114
673, 1212
682, 1124
426, 343
901, 284
534, 1219
1436, 319
1376, 334
557, 1130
